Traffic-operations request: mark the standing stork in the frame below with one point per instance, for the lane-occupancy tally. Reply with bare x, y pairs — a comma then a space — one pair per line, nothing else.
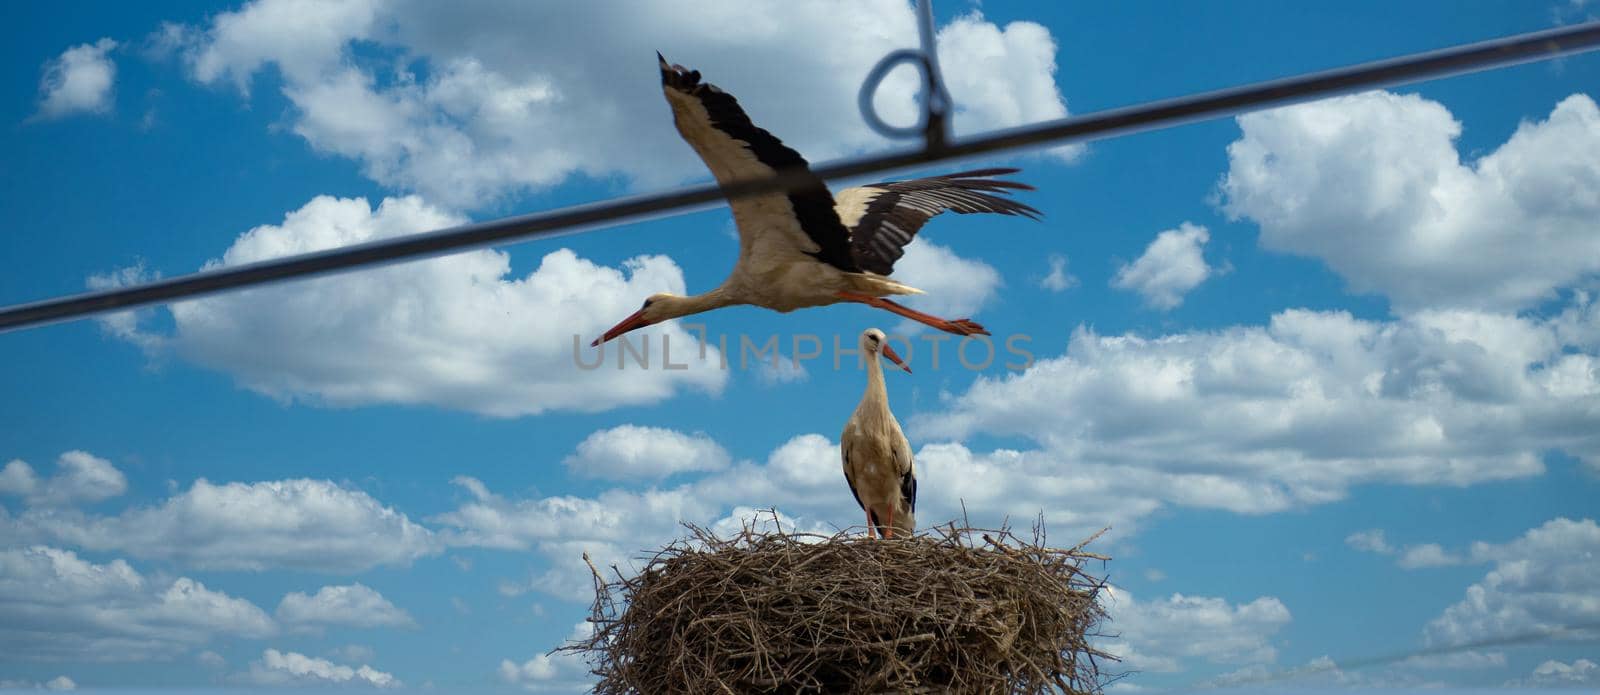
876, 454
807, 247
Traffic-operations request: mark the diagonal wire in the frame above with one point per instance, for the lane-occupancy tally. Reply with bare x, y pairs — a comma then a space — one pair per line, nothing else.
1510, 50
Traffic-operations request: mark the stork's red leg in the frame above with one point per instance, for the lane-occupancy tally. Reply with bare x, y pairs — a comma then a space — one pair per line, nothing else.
888, 531
958, 326
869, 524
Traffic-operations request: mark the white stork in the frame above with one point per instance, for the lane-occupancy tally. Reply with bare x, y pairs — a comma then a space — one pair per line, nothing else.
876, 454
809, 248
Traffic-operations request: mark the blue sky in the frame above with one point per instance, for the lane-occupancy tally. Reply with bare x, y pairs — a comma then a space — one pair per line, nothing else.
1331, 374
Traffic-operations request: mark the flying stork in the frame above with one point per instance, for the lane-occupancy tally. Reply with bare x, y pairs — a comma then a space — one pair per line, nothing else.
808, 247
876, 454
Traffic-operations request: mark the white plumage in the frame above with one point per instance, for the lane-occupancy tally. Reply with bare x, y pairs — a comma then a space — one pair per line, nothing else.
877, 456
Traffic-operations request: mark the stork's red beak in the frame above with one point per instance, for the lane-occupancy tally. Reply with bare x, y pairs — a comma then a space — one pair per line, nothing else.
636, 320
895, 358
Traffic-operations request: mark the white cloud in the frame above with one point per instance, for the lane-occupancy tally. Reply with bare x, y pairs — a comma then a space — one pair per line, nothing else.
301, 524
211, 659
57, 683
784, 370
56, 605
1298, 411
293, 668
1427, 555
609, 527
1371, 540
301, 37
803, 473
1557, 674
1171, 266
1411, 556
500, 97
80, 477
1546, 581
559, 672
1372, 184
1155, 635
631, 452
356, 605
453, 332
956, 287
80, 80
125, 324
1323, 672
1058, 280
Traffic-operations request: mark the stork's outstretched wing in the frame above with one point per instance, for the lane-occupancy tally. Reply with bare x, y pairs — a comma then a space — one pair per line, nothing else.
884, 217
734, 149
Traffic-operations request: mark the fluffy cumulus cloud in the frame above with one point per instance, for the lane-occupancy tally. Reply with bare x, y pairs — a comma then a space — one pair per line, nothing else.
79, 477
1547, 582
1427, 555
628, 452
313, 525
1156, 635
608, 527
1324, 674
801, 474
276, 668
355, 605
452, 332
559, 672
1297, 411
1373, 185
57, 683
57, 605
1371, 541
1058, 279
956, 287
1170, 266
504, 96
1410, 557
1581, 673
80, 80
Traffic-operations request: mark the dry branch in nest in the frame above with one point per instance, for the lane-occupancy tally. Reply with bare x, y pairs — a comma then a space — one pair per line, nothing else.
953, 610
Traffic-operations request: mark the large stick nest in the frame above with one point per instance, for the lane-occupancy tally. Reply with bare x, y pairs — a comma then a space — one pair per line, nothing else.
952, 610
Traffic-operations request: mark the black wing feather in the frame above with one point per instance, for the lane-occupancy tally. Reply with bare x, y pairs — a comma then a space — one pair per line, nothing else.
893, 217
908, 489
813, 204
849, 480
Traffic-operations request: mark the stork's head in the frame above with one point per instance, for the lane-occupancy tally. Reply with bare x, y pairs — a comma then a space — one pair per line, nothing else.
874, 343
657, 308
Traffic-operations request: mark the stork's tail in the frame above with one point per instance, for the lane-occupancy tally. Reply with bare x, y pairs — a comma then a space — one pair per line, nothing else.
878, 285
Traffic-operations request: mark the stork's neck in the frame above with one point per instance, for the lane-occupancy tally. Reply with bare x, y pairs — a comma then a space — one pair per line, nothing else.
877, 394
677, 307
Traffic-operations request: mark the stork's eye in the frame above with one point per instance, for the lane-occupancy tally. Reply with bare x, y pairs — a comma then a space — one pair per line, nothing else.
873, 338
646, 304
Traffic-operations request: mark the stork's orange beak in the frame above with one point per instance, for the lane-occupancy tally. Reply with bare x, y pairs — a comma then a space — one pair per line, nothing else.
893, 357
634, 321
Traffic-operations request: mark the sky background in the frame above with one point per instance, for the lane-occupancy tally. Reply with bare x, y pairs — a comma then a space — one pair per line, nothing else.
1330, 373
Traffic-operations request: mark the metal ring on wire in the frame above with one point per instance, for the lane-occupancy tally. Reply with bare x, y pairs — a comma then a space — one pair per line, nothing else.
933, 127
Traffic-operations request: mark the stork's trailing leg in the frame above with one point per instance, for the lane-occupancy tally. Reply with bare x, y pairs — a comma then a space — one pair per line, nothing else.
888, 531
870, 525
958, 326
